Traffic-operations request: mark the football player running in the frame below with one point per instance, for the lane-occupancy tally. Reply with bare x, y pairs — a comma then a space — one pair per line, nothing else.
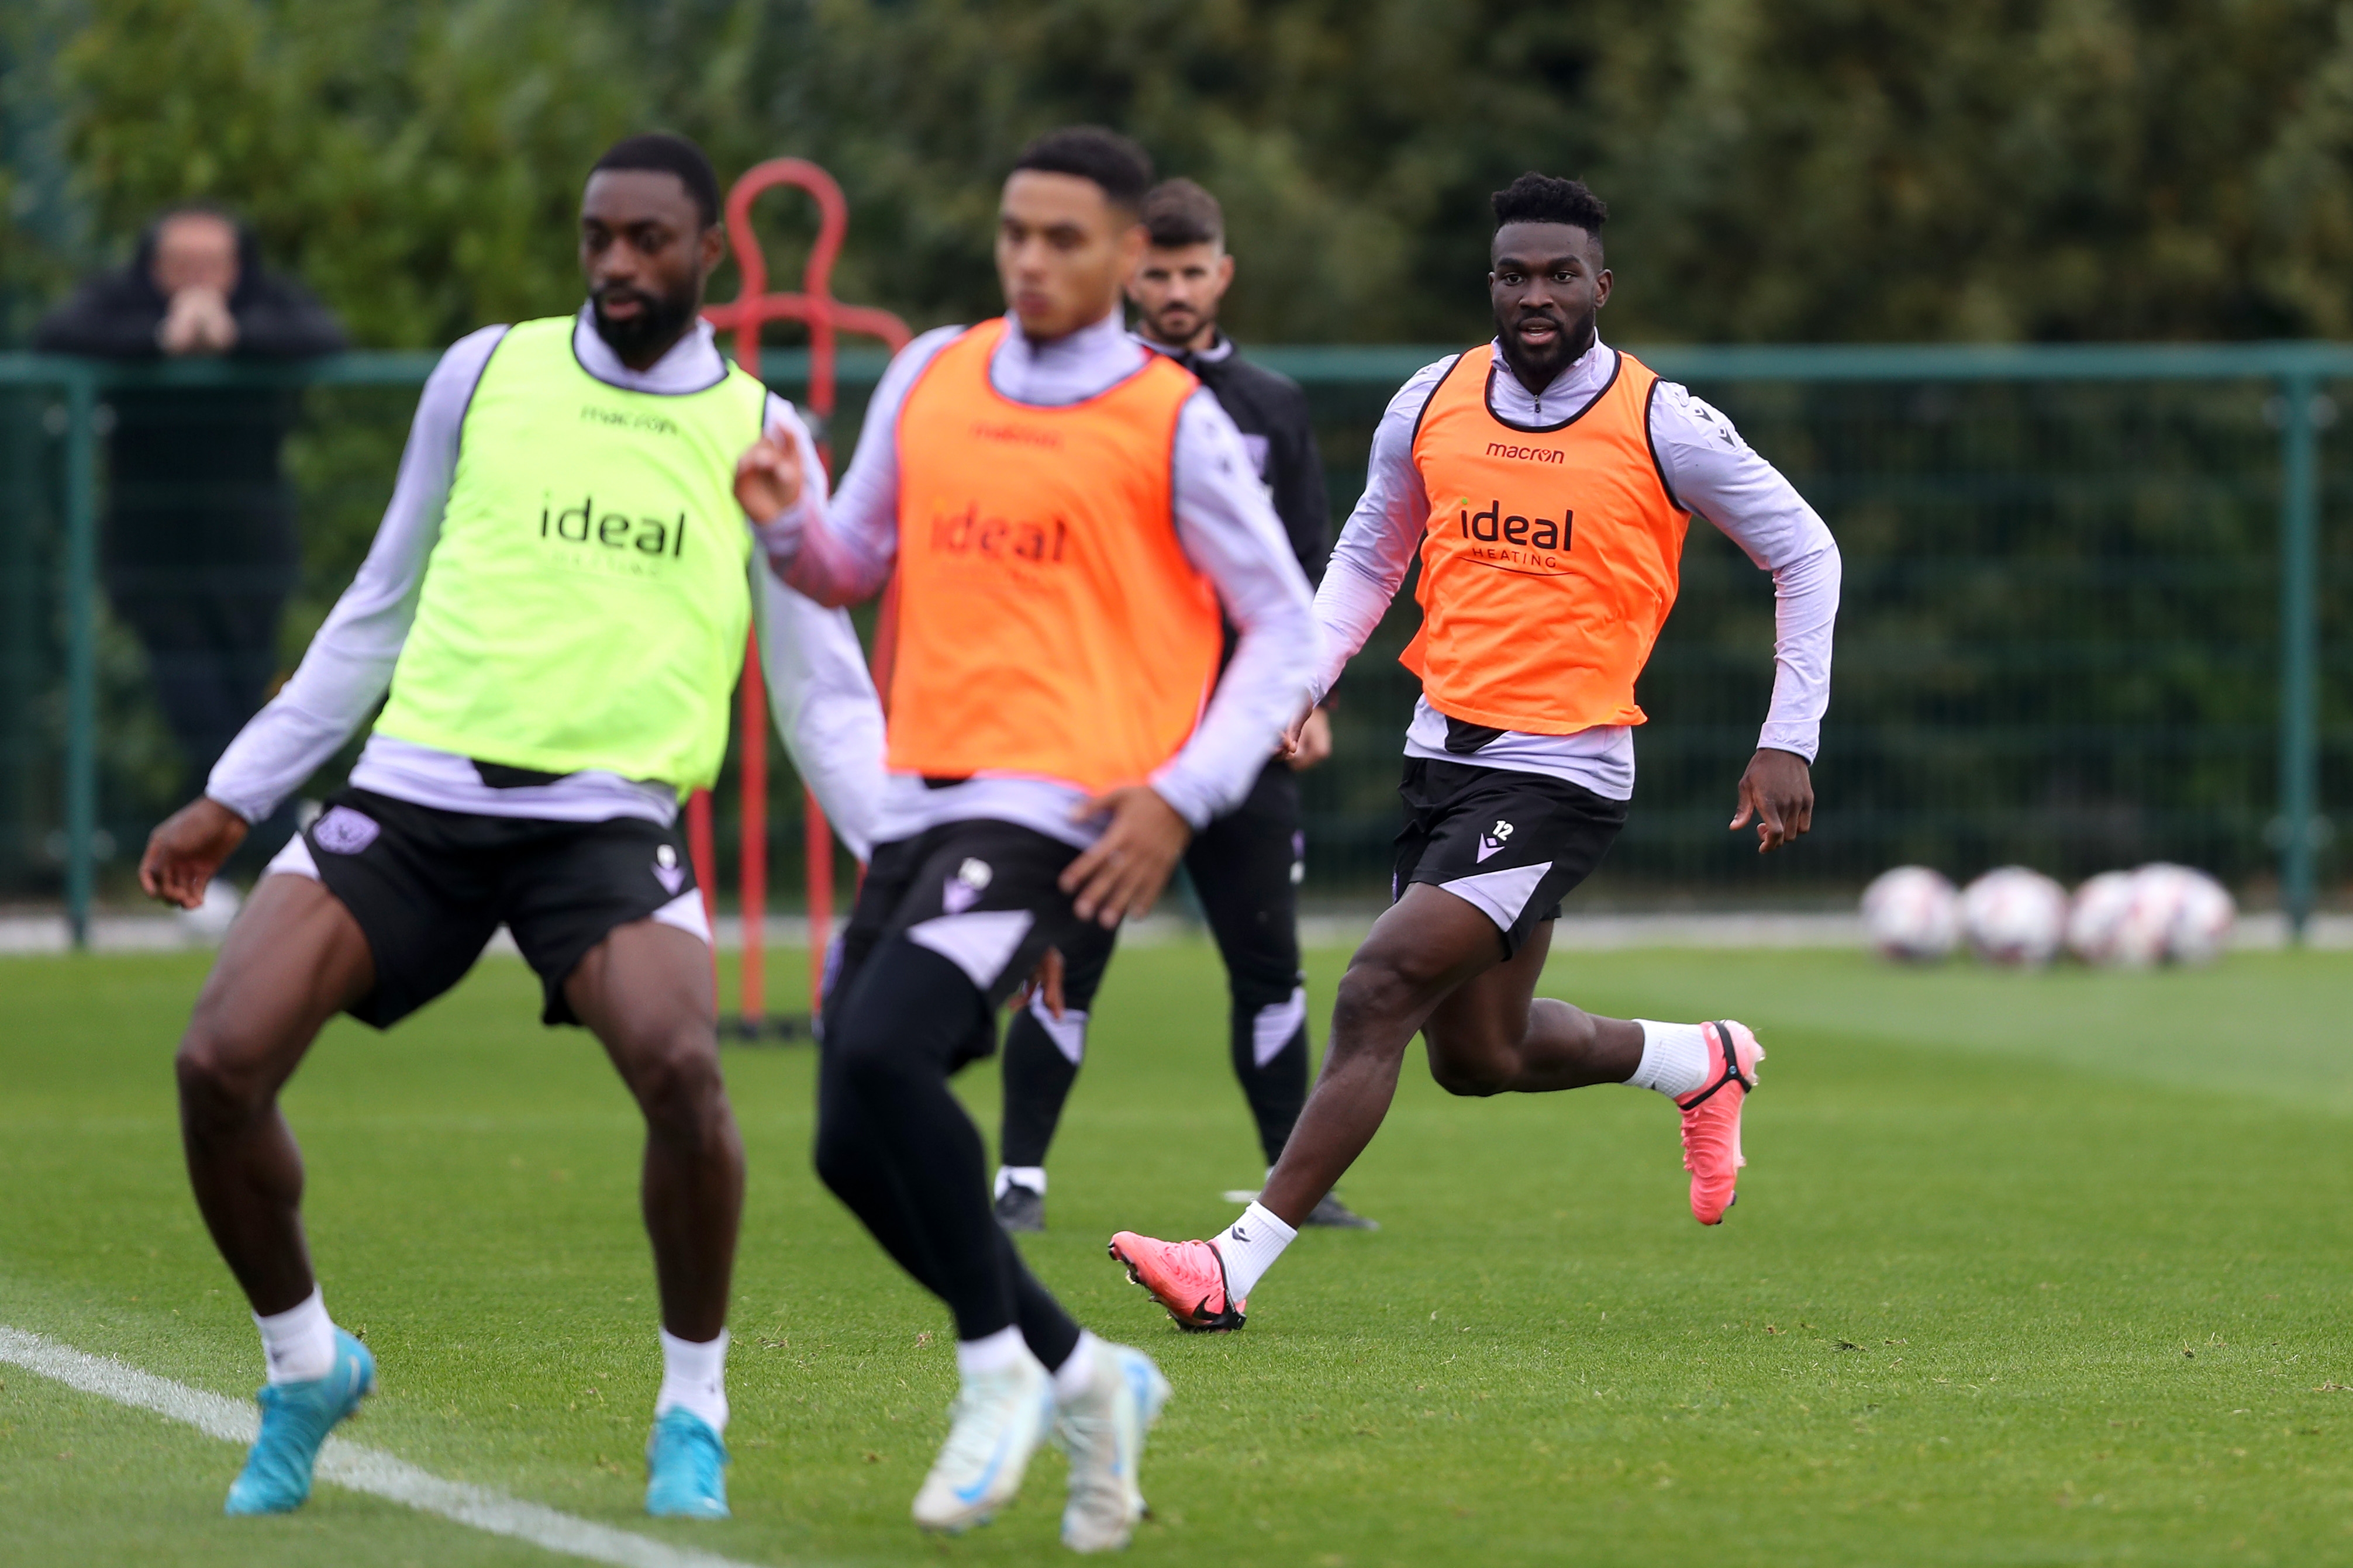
1545, 480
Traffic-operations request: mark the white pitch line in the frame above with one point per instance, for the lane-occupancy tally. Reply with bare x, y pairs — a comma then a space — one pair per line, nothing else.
353, 1465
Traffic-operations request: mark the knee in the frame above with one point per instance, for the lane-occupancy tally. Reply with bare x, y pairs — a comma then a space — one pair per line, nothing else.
883, 1059
1376, 989
1254, 994
866, 1068
846, 1134
1261, 977
677, 1084
219, 1080
838, 1156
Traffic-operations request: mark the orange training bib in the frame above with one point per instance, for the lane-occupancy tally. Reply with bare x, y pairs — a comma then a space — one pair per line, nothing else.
1549, 562
1049, 622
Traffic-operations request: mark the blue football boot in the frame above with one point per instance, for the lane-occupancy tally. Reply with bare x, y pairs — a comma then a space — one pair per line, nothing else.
685, 1467
295, 1420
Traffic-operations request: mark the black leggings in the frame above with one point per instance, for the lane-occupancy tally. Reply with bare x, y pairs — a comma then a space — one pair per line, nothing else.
1241, 867
893, 1143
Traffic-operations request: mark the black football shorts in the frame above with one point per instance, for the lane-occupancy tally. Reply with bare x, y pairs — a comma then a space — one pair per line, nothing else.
430, 888
985, 895
1511, 843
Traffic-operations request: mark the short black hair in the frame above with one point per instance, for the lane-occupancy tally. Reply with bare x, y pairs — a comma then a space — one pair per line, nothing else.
1541, 198
670, 155
1179, 213
1118, 166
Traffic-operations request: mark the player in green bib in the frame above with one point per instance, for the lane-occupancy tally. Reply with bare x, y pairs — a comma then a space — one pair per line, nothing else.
556, 605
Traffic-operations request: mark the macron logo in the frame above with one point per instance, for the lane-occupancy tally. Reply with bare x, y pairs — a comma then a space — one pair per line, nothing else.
1493, 841
668, 871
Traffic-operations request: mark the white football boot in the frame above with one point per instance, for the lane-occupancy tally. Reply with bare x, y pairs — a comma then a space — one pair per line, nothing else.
1102, 1430
1000, 1417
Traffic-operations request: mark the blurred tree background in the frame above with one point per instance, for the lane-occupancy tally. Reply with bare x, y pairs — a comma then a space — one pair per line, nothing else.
2058, 642
1805, 170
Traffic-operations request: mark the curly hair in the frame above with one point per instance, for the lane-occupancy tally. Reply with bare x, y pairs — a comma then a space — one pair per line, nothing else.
1541, 198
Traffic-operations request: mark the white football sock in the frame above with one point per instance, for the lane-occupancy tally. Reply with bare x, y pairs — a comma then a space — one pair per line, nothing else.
1071, 1378
990, 1352
1249, 1247
694, 1378
1676, 1059
1031, 1176
299, 1342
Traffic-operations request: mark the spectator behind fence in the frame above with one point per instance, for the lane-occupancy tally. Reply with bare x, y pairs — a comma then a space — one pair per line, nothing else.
200, 547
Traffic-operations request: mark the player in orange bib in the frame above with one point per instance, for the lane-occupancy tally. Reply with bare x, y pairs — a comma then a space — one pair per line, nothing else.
1545, 479
1068, 513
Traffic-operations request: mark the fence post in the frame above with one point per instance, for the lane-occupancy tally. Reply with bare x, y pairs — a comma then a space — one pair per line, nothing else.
80, 588
2299, 761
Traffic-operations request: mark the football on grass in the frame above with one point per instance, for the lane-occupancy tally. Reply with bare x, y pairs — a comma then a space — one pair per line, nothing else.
2014, 916
1912, 914
2095, 917
2179, 916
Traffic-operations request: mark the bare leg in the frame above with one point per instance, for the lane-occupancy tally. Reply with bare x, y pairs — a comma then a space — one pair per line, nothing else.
646, 990
294, 959
1492, 1035
1435, 963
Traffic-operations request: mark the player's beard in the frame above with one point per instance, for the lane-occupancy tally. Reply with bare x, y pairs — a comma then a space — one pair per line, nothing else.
1576, 335
1180, 327
661, 321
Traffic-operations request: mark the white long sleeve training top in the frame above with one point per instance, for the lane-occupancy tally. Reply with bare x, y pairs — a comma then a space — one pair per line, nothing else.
824, 701
841, 551
1708, 468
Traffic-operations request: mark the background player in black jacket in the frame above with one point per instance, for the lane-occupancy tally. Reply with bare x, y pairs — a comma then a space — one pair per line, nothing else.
200, 544
1245, 868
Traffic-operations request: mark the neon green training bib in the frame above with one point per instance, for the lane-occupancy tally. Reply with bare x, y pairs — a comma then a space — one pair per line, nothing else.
586, 604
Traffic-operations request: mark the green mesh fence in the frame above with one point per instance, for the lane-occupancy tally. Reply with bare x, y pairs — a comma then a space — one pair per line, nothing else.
2062, 640
2059, 643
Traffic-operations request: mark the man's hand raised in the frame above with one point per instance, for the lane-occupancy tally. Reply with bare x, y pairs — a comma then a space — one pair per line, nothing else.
185, 852
197, 321
1777, 792
768, 478
1129, 865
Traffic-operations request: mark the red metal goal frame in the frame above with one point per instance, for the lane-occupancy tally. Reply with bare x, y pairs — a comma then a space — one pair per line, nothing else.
752, 307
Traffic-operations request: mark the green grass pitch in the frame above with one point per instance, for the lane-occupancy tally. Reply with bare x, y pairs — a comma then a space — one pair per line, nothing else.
2027, 1269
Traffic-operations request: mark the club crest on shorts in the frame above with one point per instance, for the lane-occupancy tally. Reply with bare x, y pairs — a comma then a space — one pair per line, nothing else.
668, 871
1493, 838
343, 831
963, 888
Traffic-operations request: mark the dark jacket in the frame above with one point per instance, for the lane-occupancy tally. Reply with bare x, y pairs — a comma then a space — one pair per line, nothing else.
115, 314
1271, 411
196, 474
